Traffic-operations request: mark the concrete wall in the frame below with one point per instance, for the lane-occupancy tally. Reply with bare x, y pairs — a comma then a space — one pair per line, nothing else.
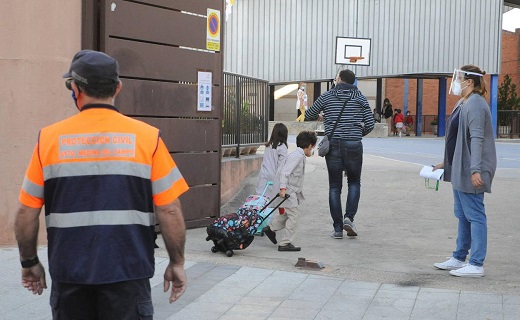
38, 41
233, 172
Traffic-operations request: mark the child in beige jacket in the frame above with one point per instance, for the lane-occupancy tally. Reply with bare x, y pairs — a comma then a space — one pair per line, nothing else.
291, 183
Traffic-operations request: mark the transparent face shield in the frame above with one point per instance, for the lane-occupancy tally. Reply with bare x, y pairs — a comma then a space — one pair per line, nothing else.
457, 81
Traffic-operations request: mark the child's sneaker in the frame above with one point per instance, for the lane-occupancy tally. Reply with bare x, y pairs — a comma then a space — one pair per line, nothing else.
450, 264
468, 271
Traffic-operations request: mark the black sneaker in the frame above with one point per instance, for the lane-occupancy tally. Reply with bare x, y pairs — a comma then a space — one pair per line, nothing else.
289, 247
270, 234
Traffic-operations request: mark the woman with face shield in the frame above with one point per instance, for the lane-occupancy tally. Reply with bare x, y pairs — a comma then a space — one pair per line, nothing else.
469, 163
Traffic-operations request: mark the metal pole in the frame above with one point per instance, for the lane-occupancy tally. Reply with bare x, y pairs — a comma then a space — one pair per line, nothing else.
494, 102
239, 116
441, 108
418, 102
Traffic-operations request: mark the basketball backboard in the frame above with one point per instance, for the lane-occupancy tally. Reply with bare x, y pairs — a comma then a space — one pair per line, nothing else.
353, 51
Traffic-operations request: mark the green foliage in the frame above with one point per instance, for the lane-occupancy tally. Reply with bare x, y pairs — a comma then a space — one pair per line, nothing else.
434, 122
507, 100
507, 97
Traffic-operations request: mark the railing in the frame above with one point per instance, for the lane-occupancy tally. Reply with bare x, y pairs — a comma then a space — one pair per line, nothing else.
508, 124
245, 119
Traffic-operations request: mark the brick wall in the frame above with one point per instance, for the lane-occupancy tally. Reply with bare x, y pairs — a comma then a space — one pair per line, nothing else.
394, 88
510, 57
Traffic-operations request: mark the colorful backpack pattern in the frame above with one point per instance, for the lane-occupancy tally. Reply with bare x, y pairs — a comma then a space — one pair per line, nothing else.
240, 225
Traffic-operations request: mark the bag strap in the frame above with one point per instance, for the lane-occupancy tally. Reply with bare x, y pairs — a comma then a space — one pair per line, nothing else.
337, 120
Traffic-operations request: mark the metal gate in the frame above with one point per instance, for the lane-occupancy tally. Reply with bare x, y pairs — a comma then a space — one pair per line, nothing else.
161, 46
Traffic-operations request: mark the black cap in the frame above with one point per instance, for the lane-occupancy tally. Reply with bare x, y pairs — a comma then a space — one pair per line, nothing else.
93, 69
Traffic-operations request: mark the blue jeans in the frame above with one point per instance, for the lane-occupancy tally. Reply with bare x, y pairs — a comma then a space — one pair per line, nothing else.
472, 230
344, 156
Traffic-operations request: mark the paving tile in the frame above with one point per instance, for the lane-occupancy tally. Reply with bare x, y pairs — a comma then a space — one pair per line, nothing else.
357, 288
429, 294
395, 307
480, 310
509, 299
334, 314
261, 301
511, 311
194, 315
348, 303
299, 313
247, 311
253, 273
390, 292
479, 297
435, 309
316, 289
312, 304
275, 290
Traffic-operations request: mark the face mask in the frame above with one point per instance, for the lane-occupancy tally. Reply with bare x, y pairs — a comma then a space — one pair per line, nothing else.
456, 88
303, 87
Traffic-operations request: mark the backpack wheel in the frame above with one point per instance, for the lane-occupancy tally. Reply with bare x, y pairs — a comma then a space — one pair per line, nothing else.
229, 253
214, 249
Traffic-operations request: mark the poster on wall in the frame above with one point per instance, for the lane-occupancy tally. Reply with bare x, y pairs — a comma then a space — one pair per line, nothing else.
204, 91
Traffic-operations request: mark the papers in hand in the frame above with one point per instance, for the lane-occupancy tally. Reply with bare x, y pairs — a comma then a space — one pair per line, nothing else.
428, 173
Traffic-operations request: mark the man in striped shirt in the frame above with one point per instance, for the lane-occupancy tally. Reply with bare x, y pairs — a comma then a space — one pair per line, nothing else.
346, 150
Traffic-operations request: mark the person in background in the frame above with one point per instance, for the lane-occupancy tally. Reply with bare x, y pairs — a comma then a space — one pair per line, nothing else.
377, 116
387, 114
346, 149
408, 123
275, 155
399, 119
301, 102
100, 175
291, 183
469, 163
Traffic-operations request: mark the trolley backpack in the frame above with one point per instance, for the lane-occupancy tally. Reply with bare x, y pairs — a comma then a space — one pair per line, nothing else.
235, 231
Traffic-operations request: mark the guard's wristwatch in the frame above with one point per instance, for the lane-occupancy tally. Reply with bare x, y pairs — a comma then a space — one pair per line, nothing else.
30, 262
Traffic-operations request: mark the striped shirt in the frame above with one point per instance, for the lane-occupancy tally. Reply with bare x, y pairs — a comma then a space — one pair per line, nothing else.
356, 121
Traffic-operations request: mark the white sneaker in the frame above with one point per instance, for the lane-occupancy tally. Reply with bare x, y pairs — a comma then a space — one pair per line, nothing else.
349, 227
468, 271
450, 264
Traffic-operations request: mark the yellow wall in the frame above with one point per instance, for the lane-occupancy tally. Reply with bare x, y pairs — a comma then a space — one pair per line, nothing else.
38, 39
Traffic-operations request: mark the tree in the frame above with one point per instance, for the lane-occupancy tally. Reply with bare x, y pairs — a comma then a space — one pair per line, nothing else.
507, 97
507, 100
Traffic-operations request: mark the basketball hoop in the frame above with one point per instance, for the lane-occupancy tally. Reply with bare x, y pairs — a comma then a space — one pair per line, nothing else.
355, 59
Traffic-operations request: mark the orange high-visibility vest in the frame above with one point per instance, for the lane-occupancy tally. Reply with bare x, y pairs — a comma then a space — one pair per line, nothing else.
99, 174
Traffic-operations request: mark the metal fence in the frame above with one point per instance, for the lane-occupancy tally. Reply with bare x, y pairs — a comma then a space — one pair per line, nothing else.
508, 124
245, 119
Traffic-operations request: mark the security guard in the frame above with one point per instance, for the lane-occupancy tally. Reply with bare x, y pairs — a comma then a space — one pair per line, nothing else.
100, 174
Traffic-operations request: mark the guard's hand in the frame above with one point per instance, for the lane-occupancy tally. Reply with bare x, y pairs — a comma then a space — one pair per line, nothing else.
33, 279
175, 275
476, 180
